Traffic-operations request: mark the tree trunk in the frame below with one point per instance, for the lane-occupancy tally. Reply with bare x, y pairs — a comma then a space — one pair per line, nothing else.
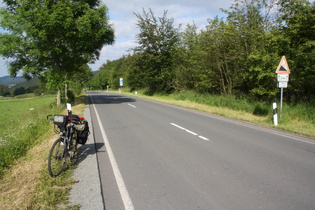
58, 97
66, 93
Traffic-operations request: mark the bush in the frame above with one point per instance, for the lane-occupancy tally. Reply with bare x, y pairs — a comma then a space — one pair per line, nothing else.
71, 96
261, 110
19, 91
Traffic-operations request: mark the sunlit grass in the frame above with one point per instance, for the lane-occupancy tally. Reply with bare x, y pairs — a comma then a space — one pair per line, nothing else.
25, 183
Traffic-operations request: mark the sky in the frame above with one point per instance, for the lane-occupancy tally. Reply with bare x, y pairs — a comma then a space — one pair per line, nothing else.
121, 14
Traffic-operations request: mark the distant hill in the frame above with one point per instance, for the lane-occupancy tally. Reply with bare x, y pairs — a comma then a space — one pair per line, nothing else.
17, 82
26, 84
21, 82
8, 81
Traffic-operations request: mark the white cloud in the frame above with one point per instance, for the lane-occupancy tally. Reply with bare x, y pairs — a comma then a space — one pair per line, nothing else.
113, 52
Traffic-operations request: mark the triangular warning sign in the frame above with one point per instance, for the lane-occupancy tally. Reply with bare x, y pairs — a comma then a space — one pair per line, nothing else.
283, 67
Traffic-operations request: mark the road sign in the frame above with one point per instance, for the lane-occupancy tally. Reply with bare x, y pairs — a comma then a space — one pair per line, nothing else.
283, 84
283, 77
283, 72
283, 67
121, 81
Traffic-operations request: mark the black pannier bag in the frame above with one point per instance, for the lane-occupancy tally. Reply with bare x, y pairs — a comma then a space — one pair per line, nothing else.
83, 132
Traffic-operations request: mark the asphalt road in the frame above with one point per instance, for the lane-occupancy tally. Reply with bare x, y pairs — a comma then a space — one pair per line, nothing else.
156, 156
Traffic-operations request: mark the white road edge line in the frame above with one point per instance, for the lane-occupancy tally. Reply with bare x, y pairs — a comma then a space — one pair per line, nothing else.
119, 179
132, 105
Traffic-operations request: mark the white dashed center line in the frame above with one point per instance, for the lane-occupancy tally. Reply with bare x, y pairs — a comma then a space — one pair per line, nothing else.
132, 105
189, 131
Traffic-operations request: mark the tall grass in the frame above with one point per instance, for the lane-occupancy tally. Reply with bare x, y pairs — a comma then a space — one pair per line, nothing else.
231, 102
298, 117
34, 188
22, 124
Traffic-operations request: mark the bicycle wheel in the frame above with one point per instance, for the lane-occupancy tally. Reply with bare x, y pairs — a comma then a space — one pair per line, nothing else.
56, 158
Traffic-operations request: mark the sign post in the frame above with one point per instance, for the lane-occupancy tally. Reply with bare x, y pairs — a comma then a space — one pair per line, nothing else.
283, 72
121, 83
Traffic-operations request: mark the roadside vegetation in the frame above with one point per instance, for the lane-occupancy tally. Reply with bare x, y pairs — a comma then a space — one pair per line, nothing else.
231, 62
22, 124
26, 137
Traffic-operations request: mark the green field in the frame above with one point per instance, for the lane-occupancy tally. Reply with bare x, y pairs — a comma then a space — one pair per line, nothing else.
26, 139
23, 123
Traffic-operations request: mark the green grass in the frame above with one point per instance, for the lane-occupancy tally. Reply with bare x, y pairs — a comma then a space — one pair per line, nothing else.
231, 102
22, 123
51, 193
23, 96
25, 182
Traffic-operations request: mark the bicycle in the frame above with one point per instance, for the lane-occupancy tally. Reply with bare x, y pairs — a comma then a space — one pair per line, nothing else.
64, 149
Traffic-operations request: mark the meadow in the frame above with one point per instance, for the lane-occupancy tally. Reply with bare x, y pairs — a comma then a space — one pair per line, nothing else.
23, 123
26, 139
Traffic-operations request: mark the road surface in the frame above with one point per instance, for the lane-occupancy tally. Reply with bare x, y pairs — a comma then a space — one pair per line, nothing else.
157, 156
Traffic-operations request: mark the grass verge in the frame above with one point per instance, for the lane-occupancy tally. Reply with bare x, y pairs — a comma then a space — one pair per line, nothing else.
23, 123
26, 183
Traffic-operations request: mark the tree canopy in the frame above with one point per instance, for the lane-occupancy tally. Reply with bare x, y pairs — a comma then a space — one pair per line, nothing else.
55, 36
235, 55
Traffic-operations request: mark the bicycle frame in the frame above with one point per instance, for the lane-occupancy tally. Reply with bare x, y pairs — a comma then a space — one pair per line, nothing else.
68, 137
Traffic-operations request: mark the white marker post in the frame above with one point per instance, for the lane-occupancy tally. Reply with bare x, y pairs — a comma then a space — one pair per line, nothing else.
69, 108
275, 114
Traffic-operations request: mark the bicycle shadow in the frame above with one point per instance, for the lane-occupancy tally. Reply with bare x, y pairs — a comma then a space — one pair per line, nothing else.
86, 150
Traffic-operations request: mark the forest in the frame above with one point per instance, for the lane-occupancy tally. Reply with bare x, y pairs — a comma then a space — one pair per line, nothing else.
235, 55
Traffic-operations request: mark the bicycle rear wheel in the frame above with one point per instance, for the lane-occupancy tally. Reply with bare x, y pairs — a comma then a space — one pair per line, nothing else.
56, 158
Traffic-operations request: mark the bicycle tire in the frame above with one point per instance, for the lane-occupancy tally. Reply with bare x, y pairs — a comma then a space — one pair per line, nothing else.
57, 158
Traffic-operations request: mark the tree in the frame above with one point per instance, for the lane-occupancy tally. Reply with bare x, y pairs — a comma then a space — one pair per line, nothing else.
252, 22
19, 91
56, 37
157, 39
297, 20
4, 90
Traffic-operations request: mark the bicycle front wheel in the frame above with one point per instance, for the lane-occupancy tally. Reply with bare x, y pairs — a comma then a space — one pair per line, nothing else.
56, 158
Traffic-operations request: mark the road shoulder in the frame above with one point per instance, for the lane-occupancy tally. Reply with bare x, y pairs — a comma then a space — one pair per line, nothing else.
87, 191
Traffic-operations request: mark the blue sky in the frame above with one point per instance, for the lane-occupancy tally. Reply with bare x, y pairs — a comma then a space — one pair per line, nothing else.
122, 16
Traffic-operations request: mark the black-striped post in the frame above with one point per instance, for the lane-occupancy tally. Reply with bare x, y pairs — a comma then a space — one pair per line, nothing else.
275, 115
